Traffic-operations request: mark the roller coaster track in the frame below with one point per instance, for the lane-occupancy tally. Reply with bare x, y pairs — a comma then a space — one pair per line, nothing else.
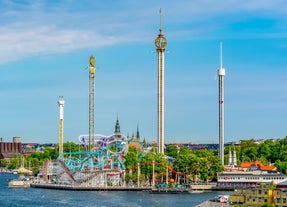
93, 174
44, 170
170, 169
66, 169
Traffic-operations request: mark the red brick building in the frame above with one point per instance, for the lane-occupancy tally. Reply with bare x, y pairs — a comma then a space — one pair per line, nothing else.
10, 149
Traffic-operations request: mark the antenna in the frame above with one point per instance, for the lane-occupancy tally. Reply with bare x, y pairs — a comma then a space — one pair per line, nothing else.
220, 54
160, 20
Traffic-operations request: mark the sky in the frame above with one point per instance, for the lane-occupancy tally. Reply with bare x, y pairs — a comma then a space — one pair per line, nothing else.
45, 48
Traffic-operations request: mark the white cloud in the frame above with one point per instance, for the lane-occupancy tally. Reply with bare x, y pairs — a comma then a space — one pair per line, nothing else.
36, 28
20, 43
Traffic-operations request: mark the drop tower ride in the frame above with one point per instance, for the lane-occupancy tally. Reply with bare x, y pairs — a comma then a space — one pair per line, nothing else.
160, 43
221, 74
91, 102
61, 103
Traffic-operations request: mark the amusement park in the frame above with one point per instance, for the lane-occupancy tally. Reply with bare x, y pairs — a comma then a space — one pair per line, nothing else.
114, 161
111, 161
121, 162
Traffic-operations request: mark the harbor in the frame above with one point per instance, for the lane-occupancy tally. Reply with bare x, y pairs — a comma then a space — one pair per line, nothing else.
88, 188
68, 198
114, 104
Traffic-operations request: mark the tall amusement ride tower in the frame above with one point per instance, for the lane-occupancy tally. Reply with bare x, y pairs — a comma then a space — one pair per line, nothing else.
160, 43
61, 103
221, 74
92, 102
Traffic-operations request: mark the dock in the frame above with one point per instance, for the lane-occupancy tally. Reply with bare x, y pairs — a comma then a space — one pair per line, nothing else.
169, 191
88, 188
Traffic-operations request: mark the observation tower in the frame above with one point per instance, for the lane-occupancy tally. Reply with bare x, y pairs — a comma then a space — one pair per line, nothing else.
160, 43
221, 74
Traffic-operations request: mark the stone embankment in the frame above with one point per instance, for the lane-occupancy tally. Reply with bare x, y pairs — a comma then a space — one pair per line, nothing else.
213, 204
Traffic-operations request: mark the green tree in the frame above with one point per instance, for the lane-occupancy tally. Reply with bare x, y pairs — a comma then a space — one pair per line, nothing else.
183, 162
249, 150
215, 166
70, 147
172, 151
3, 163
203, 169
146, 169
159, 167
281, 166
265, 150
184, 150
131, 160
275, 149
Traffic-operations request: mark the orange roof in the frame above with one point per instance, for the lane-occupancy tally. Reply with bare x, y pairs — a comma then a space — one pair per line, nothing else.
257, 164
136, 145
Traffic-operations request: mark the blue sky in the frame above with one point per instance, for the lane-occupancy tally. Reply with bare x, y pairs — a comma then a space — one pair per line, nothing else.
45, 48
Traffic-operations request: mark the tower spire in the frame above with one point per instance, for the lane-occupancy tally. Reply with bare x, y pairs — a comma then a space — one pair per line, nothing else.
220, 54
160, 21
138, 132
117, 128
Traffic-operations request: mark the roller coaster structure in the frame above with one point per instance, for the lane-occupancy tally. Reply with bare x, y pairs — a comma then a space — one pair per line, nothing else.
102, 166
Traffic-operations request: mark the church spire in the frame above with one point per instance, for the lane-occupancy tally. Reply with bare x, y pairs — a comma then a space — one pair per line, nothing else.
138, 132
117, 128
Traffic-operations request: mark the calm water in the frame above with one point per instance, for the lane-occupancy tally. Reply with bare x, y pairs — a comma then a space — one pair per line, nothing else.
44, 198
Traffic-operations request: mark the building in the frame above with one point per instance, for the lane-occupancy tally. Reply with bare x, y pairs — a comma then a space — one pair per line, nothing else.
241, 179
249, 174
11, 149
260, 196
256, 165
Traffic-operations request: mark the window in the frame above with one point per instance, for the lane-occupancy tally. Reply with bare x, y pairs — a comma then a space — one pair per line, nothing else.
278, 200
260, 199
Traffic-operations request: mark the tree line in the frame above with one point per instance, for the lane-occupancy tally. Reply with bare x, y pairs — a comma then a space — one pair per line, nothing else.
195, 164
269, 152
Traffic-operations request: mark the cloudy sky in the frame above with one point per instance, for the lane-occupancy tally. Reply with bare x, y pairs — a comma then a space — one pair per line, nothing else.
45, 48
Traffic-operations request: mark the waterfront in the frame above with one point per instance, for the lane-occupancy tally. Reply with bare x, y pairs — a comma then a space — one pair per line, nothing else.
46, 198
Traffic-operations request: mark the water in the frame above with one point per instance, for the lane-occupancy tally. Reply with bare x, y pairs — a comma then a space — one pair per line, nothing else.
45, 198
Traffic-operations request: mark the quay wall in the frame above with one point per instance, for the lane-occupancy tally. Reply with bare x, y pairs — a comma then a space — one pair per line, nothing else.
210, 187
213, 204
88, 188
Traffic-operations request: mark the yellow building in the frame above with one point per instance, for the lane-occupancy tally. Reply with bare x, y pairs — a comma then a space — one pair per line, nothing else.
260, 196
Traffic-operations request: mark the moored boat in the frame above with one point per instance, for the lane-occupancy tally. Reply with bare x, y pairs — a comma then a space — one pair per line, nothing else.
18, 184
169, 191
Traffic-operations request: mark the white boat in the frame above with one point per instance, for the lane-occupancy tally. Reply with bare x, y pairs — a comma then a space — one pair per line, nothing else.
196, 191
18, 184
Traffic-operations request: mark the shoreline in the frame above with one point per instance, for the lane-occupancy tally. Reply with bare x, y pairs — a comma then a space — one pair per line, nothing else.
88, 188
